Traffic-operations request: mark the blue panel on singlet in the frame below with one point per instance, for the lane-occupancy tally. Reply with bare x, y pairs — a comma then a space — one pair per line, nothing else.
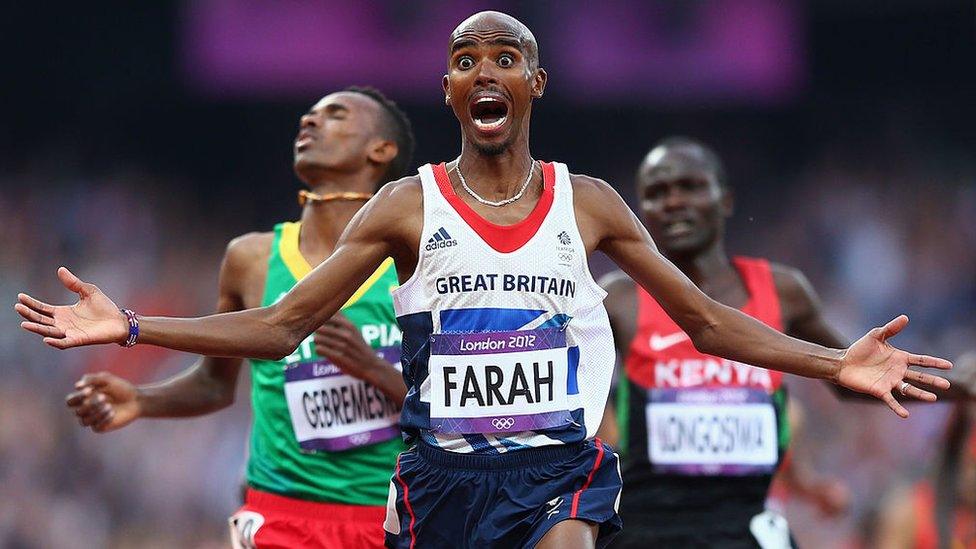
557, 321
486, 320
572, 386
414, 353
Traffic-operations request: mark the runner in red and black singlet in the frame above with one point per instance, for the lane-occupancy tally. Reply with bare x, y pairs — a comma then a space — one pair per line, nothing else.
703, 435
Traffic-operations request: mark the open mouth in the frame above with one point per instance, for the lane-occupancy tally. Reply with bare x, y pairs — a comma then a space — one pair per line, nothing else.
489, 113
303, 140
678, 228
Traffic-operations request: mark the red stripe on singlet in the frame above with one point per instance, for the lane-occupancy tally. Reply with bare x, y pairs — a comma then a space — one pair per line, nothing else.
502, 238
406, 502
589, 478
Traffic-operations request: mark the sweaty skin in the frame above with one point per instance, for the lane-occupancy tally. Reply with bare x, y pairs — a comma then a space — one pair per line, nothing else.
337, 135
495, 164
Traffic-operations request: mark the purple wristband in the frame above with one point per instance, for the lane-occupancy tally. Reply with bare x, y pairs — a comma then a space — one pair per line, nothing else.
133, 328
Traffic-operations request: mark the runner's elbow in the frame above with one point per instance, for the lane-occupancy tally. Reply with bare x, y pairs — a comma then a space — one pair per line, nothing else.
705, 337
286, 331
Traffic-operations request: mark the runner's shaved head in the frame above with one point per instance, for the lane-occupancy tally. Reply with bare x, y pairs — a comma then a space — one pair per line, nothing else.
496, 26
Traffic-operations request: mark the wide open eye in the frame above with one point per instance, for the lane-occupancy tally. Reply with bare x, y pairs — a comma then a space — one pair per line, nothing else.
506, 60
465, 62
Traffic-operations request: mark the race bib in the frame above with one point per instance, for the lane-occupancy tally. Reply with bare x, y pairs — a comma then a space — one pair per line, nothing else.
490, 382
331, 411
711, 431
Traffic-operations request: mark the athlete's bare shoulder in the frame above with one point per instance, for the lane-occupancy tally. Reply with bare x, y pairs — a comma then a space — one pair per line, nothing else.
405, 188
591, 187
394, 218
792, 286
601, 214
401, 198
243, 270
248, 249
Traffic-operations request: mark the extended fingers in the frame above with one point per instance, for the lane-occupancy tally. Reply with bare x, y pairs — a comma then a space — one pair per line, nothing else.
35, 304
47, 331
59, 342
70, 281
895, 406
33, 315
912, 391
929, 361
894, 326
927, 379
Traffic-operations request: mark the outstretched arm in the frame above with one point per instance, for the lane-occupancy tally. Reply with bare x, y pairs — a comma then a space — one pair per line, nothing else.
804, 319
870, 366
267, 332
106, 402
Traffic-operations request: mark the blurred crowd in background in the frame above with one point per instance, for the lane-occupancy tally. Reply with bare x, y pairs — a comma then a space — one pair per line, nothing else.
140, 189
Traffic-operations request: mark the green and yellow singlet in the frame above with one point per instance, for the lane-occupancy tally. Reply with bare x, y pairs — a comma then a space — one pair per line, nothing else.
318, 434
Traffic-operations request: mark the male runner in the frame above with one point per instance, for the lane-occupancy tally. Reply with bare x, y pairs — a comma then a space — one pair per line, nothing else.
703, 435
324, 436
507, 350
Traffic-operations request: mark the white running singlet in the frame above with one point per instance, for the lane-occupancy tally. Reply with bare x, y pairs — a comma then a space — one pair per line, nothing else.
506, 344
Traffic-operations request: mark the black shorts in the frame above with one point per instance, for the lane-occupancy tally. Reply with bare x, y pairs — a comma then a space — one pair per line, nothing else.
447, 499
698, 512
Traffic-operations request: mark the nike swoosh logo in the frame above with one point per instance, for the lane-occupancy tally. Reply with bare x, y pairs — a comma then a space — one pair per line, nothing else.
660, 343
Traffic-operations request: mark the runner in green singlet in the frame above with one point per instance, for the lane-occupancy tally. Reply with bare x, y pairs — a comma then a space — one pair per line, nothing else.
324, 437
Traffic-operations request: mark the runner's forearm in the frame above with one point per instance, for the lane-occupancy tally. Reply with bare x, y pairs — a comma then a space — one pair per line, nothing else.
205, 387
714, 328
253, 333
736, 336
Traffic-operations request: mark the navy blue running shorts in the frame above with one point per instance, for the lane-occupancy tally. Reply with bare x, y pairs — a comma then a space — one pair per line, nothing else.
448, 499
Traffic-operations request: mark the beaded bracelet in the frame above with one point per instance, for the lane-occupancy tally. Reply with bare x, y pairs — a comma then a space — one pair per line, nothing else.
133, 328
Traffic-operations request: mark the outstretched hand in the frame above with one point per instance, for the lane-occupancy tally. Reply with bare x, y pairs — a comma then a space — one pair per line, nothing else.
873, 366
94, 319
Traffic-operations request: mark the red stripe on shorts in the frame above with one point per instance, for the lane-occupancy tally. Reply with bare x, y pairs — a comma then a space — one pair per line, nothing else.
406, 501
589, 478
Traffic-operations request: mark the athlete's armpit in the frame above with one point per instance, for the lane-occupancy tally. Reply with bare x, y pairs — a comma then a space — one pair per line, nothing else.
608, 224
802, 311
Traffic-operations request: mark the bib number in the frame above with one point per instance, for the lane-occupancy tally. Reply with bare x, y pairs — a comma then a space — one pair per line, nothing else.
711, 431
331, 411
491, 382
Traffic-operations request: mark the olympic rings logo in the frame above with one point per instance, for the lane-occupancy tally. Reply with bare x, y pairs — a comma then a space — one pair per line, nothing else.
503, 423
360, 438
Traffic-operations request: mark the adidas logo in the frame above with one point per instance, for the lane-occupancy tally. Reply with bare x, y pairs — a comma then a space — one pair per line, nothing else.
440, 240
